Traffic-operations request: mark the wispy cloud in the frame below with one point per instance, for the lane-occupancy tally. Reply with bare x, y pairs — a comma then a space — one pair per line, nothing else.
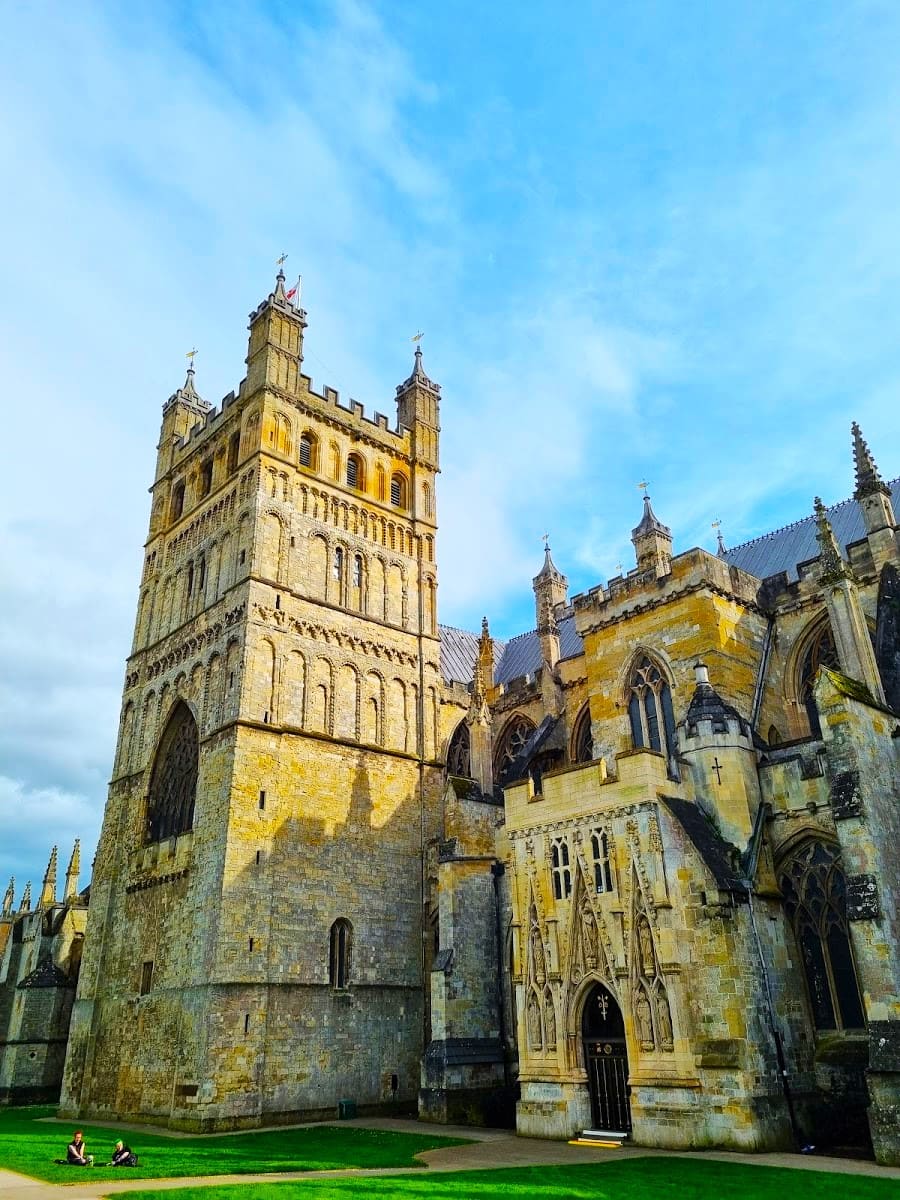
633, 259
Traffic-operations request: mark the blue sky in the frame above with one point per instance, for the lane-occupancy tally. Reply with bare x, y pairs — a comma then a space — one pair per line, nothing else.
644, 241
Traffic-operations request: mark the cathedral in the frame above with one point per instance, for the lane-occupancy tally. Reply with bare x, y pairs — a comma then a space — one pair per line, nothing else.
636, 870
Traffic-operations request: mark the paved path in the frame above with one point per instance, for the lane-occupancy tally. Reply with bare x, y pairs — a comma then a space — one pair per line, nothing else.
488, 1149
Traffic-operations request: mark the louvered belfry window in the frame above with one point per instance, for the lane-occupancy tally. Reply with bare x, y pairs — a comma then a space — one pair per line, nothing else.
173, 785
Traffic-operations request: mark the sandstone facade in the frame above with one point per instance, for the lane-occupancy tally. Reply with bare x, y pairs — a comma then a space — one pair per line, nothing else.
634, 868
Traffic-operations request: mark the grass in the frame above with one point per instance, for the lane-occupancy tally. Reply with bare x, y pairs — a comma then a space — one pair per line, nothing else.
29, 1146
623, 1179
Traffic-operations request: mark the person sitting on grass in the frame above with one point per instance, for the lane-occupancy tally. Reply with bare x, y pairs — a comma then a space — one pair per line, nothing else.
123, 1156
76, 1152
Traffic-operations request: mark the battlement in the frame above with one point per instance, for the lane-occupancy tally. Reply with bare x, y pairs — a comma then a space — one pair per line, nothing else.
691, 570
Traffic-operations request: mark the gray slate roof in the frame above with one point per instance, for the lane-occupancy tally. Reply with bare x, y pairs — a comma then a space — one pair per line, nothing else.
784, 548
519, 656
768, 555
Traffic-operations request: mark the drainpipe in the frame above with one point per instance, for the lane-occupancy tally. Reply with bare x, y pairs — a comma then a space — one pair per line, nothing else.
776, 1036
497, 872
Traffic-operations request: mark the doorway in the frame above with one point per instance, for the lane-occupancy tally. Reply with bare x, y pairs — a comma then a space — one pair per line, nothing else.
606, 1061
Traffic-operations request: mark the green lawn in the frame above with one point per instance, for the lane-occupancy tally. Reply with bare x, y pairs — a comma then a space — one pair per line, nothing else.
29, 1146
609, 1179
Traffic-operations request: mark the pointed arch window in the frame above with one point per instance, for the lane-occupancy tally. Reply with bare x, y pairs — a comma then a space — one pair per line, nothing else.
560, 869
173, 784
650, 709
340, 946
177, 501
582, 740
603, 879
337, 565
459, 760
512, 742
815, 900
821, 652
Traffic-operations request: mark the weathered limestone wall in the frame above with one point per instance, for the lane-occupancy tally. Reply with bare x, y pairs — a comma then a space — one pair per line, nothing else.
863, 753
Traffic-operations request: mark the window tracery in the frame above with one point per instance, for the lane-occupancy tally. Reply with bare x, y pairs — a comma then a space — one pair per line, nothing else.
814, 890
821, 652
650, 708
173, 784
603, 880
560, 869
512, 742
459, 761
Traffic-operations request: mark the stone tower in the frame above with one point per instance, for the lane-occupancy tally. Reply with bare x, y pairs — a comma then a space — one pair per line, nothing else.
256, 912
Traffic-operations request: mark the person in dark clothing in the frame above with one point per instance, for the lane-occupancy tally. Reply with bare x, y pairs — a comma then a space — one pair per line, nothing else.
76, 1152
123, 1156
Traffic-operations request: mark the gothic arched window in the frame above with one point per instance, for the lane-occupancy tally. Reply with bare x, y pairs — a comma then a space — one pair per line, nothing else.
560, 869
339, 953
582, 741
814, 890
820, 652
603, 880
512, 742
458, 753
650, 708
173, 784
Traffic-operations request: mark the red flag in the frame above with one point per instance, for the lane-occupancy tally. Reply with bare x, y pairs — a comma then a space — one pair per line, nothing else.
295, 291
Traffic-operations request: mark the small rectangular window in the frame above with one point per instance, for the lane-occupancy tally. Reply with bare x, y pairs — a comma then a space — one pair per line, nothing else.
242, 557
278, 602
146, 977
257, 858
250, 944
262, 799
246, 1023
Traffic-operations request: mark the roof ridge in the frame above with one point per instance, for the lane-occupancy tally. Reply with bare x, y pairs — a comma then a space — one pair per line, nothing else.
800, 521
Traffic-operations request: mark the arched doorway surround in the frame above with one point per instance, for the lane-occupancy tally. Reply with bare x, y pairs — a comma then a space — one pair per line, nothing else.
606, 1060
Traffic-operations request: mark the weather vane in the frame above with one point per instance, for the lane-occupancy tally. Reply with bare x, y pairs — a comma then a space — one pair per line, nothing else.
417, 337
191, 354
546, 540
281, 261
717, 524
643, 485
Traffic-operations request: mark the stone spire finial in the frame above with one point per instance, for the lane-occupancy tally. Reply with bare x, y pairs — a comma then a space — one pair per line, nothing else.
72, 872
48, 888
868, 479
418, 376
25, 902
652, 541
9, 894
833, 565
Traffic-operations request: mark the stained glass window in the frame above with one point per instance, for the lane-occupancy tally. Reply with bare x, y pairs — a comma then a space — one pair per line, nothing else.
512, 742
814, 891
173, 785
458, 753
